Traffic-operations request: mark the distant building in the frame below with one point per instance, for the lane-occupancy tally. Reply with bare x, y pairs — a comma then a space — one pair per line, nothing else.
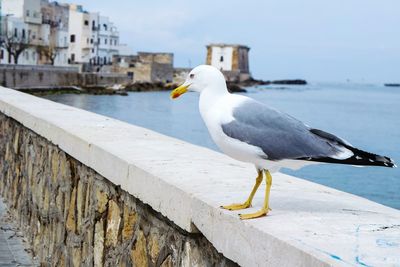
180, 75
232, 60
56, 16
22, 22
145, 67
80, 35
49, 32
93, 38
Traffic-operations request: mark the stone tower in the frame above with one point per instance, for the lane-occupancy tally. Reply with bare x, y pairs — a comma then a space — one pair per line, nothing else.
232, 60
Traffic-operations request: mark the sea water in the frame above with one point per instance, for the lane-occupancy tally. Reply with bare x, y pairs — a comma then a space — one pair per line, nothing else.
366, 115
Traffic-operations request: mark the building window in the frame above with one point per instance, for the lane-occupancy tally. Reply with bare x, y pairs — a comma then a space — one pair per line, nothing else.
73, 57
91, 40
98, 40
27, 13
93, 25
72, 38
86, 23
15, 32
105, 41
33, 55
1, 54
105, 27
23, 34
221, 59
92, 50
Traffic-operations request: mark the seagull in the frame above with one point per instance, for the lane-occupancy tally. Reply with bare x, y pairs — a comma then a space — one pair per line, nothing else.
250, 131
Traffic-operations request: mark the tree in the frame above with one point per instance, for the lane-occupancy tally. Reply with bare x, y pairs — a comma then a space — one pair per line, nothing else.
14, 45
50, 52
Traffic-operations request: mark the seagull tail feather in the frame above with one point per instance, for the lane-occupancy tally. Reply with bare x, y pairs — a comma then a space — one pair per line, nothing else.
359, 157
364, 158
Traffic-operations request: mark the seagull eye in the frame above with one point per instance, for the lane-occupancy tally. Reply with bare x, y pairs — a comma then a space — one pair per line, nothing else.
191, 76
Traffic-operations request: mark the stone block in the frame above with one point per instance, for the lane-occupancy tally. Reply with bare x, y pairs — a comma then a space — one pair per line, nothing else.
71, 218
98, 249
129, 223
154, 246
101, 199
167, 262
80, 204
76, 257
16, 142
139, 251
113, 222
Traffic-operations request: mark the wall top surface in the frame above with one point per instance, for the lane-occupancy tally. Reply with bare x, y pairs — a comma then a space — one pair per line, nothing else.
309, 225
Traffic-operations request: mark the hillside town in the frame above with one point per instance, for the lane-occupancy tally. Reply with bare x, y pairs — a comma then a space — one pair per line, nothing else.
39, 32
48, 42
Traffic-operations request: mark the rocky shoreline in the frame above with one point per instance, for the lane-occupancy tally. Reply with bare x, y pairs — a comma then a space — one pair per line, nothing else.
240, 87
123, 89
392, 84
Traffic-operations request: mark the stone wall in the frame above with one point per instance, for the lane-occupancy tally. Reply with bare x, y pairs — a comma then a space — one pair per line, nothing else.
209, 53
180, 75
73, 216
19, 76
162, 58
161, 72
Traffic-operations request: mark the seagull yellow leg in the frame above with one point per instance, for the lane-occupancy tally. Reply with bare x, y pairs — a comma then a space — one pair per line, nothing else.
265, 207
247, 203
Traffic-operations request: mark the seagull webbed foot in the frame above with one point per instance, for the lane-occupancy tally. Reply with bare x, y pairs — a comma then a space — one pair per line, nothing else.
258, 214
242, 206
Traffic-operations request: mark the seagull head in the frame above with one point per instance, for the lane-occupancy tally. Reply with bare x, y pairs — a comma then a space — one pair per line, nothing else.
201, 78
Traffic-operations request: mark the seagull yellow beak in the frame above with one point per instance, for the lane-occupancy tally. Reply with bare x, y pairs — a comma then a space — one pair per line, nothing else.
180, 90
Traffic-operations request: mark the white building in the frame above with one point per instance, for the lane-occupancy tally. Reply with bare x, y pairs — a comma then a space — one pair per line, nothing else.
93, 38
80, 35
56, 16
22, 21
39, 24
107, 41
232, 60
59, 34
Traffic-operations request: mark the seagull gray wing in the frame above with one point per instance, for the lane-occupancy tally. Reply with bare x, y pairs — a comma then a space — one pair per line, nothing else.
279, 135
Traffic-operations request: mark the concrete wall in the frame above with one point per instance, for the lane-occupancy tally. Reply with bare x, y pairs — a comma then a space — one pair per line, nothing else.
67, 172
18, 76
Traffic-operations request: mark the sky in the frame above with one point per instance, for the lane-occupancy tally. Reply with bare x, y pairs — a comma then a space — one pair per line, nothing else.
330, 41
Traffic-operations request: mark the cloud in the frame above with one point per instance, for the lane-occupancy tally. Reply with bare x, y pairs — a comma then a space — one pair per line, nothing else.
286, 37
